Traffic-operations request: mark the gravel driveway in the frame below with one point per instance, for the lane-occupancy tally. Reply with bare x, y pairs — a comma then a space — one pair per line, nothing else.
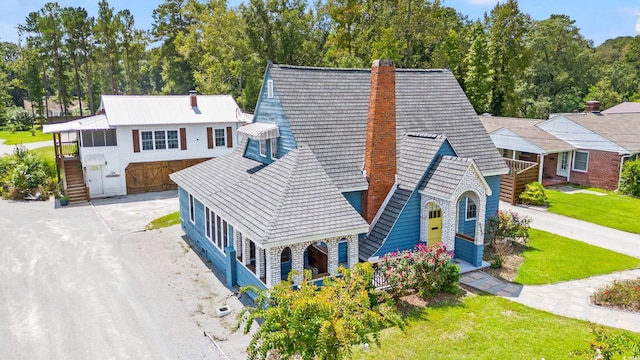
71, 288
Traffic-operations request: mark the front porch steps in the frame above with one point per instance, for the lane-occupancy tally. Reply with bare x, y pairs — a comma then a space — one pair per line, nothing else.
75, 188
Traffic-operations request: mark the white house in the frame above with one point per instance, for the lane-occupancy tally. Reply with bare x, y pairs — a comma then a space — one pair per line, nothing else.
136, 141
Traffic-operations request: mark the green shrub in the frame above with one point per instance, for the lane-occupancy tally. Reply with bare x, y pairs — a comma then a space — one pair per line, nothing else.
508, 224
19, 119
534, 194
427, 270
24, 172
630, 178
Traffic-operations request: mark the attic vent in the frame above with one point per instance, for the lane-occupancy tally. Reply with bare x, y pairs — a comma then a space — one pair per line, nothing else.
270, 89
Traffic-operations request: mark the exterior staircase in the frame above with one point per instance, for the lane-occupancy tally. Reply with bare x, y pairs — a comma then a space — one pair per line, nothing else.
75, 189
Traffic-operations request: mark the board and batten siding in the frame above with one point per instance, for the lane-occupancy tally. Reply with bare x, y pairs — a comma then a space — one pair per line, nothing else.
355, 199
270, 111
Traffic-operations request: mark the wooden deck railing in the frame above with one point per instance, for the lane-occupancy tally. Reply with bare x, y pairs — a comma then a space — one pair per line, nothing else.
517, 166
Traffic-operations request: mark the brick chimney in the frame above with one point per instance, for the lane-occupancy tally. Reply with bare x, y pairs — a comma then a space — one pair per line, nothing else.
592, 106
193, 97
380, 150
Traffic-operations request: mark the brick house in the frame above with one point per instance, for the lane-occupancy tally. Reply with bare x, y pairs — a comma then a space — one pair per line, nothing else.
341, 166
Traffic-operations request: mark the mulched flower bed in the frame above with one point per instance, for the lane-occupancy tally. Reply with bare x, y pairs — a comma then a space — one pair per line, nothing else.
621, 295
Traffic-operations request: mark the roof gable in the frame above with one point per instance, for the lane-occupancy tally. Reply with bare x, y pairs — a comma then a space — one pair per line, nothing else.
290, 199
327, 109
446, 175
584, 132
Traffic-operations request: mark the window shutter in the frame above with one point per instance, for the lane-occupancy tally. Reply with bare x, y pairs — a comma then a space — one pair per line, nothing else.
136, 140
229, 137
183, 139
210, 143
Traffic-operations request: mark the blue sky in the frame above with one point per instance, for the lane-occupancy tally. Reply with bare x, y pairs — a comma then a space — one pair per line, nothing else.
598, 19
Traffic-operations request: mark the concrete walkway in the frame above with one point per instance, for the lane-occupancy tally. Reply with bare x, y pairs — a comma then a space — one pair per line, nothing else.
8, 149
571, 298
612, 239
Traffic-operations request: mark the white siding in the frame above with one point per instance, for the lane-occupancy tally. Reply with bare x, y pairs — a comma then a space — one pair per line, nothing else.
507, 139
577, 135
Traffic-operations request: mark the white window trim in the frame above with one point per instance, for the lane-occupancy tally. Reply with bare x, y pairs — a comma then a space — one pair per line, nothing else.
207, 224
224, 136
192, 209
260, 143
274, 149
466, 210
153, 140
573, 163
270, 89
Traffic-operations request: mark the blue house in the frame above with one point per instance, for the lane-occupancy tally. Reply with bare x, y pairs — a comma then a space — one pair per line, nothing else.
341, 166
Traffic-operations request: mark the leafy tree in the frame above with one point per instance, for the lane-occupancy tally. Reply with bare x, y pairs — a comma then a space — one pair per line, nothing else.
107, 32
219, 53
4, 85
630, 178
318, 322
478, 76
133, 44
19, 119
170, 20
509, 55
23, 172
603, 91
563, 64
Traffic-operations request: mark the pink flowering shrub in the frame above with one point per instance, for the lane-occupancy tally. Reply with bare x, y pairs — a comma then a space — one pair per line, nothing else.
426, 269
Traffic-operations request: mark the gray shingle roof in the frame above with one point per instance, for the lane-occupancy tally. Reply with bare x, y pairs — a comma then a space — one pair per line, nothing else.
327, 109
527, 129
206, 178
445, 175
621, 129
289, 199
417, 151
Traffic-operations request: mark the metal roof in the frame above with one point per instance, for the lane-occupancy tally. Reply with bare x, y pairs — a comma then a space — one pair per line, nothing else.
170, 109
98, 122
260, 131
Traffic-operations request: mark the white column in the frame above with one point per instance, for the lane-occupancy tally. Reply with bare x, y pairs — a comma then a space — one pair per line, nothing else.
246, 253
259, 262
540, 171
353, 250
297, 261
332, 256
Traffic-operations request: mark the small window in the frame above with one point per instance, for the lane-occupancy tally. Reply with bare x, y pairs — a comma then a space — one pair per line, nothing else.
147, 140
580, 161
207, 224
192, 209
274, 148
160, 141
225, 234
263, 147
270, 89
172, 139
99, 138
218, 232
220, 141
471, 209
111, 137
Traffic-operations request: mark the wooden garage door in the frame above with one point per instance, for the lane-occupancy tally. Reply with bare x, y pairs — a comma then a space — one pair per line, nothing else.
154, 176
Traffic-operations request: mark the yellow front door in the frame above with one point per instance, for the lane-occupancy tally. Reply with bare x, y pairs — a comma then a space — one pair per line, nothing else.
434, 232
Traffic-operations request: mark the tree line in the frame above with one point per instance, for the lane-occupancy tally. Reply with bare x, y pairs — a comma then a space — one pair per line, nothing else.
507, 63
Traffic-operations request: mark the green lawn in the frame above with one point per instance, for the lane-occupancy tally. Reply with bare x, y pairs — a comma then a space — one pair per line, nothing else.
47, 152
164, 221
482, 327
23, 137
613, 210
551, 258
